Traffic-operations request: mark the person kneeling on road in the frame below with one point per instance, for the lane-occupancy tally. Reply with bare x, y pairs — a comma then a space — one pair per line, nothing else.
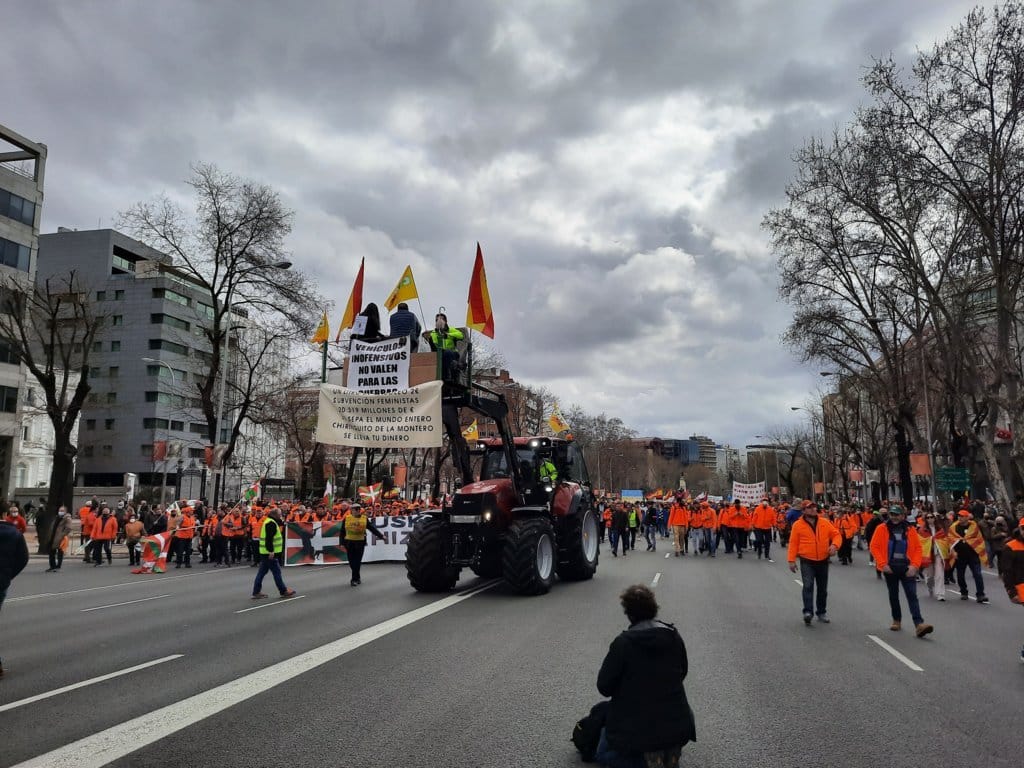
649, 718
896, 548
271, 544
356, 526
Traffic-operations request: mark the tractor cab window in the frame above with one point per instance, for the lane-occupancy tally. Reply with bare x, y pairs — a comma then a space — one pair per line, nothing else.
495, 464
575, 467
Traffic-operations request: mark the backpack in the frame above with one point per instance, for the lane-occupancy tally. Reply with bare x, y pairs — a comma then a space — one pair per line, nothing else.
587, 732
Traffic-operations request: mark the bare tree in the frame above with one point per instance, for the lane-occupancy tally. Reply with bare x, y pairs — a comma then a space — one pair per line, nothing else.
50, 328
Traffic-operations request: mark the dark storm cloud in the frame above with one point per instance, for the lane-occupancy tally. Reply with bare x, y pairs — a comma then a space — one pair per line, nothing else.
614, 159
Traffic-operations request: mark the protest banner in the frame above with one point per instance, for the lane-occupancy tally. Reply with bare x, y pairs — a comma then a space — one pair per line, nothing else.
409, 418
319, 543
748, 493
379, 367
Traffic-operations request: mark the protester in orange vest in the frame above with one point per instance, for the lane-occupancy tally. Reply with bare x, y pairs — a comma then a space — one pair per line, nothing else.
85, 518
969, 549
256, 516
814, 540
709, 529
678, 519
1011, 568
104, 531
762, 521
849, 526
183, 538
606, 523
896, 548
236, 532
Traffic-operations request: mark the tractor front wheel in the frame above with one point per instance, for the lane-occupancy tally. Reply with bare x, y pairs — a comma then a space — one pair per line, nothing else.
425, 563
528, 562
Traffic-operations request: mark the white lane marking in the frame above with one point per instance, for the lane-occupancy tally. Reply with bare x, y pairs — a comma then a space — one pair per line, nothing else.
990, 573
104, 747
112, 586
899, 656
129, 602
667, 555
657, 578
267, 605
798, 582
84, 683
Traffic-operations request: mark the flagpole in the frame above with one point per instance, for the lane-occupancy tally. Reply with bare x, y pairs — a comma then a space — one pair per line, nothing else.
422, 318
323, 364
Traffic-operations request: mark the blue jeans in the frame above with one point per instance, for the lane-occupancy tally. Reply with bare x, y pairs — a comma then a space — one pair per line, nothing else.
651, 535
961, 576
708, 541
893, 581
613, 539
268, 563
814, 574
609, 757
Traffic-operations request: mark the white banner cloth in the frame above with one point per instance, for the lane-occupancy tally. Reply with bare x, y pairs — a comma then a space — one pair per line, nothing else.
409, 418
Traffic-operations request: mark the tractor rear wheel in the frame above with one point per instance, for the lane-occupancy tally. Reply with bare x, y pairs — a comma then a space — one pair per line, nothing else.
578, 549
528, 562
424, 558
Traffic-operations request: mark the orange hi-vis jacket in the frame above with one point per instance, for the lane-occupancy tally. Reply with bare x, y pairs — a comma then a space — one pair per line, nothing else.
741, 518
234, 525
809, 543
780, 520
763, 517
606, 516
849, 525
86, 517
865, 518
187, 528
255, 525
697, 518
879, 546
678, 515
104, 530
709, 518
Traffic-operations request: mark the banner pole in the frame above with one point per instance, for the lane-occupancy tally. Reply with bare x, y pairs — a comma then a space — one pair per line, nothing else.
323, 364
423, 319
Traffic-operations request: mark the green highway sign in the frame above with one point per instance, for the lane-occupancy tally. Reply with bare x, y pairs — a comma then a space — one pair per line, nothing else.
952, 479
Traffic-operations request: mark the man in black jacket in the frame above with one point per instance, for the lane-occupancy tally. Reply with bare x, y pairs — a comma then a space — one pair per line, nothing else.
13, 559
649, 719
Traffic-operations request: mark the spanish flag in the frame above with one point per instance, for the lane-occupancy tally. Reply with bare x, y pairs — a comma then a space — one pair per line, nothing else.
556, 422
405, 290
355, 302
478, 313
322, 332
471, 432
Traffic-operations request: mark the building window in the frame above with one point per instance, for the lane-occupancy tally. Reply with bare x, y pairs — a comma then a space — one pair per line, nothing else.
9, 399
14, 254
205, 310
165, 398
197, 453
108, 423
114, 371
164, 373
106, 451
154, 423
111, 398
120, 265
173, 322
97, 346
177, 426
7, 352
146, 449
25, 434
117, 320
198, 429
16, 207
169, 346
101, 295
115, 346
87, 451
90, 424
118, 294
169, 295
95, 372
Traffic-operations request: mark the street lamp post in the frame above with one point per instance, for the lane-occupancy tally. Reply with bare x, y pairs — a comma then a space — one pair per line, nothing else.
163, 483
775, 458
216, 473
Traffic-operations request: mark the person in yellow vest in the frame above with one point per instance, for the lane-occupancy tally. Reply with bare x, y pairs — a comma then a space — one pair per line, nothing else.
356, 526
271, 544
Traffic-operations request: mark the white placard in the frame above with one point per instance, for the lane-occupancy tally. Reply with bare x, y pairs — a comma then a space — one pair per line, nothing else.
409, 418
379, 367
748, 493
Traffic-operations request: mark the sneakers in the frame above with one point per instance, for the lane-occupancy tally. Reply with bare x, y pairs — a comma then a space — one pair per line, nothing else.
895, 626
941, 598
963, 596
924, 629
770, 560
259, 596
288, 593
982, 600
824, 619
807, 619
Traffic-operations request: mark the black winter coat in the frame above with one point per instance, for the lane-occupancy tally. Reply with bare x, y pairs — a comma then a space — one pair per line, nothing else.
13, 553
643, 674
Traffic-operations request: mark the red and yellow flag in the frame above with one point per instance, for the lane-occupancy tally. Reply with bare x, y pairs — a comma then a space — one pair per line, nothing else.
478, 313
355, 302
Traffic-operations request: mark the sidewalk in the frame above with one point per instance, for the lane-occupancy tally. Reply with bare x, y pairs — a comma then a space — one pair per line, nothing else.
32, 539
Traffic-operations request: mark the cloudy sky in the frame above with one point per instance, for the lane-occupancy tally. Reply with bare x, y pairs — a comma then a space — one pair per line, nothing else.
614, 159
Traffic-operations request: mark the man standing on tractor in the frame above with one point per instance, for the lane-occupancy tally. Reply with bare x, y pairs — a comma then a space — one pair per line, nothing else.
443, 338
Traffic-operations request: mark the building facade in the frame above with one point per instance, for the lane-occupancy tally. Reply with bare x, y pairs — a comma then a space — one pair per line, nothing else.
146, 365
22, 172
706, 455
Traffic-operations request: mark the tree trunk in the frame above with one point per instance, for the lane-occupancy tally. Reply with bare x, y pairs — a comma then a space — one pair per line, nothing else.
903, 464
349, 472
62, 483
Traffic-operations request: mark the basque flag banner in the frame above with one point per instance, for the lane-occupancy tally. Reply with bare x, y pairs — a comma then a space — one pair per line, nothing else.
315, 543
154, 553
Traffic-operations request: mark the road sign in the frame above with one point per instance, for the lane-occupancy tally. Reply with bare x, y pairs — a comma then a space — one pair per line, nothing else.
952, 479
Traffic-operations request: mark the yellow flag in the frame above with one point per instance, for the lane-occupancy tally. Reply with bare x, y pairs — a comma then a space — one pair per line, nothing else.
405, 290
471, 432
322, 332
556, 422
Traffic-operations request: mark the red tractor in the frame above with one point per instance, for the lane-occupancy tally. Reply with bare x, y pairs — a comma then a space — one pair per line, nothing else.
516, 522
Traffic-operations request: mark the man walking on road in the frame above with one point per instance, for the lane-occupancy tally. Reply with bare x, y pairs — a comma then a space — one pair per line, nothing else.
271, 543
896, 548
814, 540
969, 548
356, 526
13, 559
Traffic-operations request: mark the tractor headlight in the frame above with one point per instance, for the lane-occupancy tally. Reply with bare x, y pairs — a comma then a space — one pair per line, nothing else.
487, 516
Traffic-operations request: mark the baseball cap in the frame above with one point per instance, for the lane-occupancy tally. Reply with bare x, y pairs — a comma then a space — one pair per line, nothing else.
808, 503
964, 513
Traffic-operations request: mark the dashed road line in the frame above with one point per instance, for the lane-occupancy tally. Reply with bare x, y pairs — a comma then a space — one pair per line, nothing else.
84, 683
657, 578
896, 654
129, 602
268, 605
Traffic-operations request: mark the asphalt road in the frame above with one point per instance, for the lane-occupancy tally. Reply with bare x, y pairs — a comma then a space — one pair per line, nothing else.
380, 676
